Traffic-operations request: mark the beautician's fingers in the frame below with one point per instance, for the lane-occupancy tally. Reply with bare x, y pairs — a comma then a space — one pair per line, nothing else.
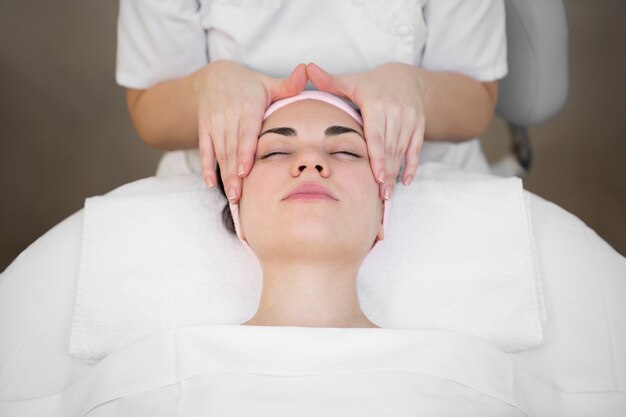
221, 89
207, 153
232, 181
339, 85
233, 184
252, 117
218, 137
207, 161
223, 150
244, 126
372, 112
407, 118
249, 131
413, 152
390, 183
278, 88
396, 91
248, 120
373, 121
226, 92
244, 122
374, 130
397, 135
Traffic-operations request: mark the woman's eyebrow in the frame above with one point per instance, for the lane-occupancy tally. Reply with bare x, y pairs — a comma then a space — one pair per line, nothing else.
330, 131
338, 130
285, 131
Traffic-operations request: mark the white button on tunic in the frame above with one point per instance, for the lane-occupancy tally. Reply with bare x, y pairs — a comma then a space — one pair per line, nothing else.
404, 30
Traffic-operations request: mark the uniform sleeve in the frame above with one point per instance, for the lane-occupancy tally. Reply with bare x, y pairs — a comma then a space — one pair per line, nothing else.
158, 40
466, 36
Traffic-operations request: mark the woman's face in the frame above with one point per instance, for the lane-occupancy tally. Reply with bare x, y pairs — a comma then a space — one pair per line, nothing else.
311, 187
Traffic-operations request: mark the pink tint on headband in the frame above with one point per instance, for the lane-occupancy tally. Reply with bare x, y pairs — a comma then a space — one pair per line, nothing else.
307, 95
315, 95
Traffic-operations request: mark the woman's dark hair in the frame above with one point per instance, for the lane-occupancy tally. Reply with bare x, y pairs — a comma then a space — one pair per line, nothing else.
227, 217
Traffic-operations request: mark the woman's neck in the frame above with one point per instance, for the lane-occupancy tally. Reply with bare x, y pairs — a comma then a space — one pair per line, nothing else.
309, 295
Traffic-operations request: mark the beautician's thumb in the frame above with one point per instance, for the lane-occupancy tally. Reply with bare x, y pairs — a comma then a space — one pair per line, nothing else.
279, 88
339, 85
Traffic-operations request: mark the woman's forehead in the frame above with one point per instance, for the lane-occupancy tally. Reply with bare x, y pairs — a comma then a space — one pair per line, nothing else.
310, 115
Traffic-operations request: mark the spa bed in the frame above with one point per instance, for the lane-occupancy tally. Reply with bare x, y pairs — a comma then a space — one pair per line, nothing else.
579, 368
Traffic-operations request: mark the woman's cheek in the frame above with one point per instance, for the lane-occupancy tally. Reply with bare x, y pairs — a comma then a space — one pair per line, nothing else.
261, 183
365, 178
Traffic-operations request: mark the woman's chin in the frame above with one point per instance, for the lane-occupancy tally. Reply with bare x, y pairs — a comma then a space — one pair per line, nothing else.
312, 234
305, 238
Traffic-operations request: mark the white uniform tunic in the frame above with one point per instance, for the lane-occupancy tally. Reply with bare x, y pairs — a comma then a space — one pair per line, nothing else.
165, 39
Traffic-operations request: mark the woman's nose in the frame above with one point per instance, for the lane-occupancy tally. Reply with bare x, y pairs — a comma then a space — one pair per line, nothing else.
309, 161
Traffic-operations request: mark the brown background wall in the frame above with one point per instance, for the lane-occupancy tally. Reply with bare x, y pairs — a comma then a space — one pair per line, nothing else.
65, 134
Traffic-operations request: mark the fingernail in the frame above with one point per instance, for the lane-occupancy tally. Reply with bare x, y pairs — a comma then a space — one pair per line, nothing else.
408, 180
387, 193
232, 194
381, 177
240, 170
210, 182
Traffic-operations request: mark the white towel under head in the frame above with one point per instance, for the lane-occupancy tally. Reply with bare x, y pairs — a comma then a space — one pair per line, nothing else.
457, 255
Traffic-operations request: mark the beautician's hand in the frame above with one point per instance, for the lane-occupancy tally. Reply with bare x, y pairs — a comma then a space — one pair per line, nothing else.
231, 102
391, 99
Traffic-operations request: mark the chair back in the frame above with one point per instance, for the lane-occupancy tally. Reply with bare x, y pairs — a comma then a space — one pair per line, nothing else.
536, 87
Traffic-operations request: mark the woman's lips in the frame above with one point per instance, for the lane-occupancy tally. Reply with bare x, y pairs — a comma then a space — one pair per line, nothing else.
310, 192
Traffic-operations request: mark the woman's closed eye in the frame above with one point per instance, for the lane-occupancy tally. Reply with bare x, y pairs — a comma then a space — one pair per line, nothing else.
273, 153
348, 153
278, 153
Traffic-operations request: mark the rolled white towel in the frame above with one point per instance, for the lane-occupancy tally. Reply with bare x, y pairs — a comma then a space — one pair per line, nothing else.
457, 255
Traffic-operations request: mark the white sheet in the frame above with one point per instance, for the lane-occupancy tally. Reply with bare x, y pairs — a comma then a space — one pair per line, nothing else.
279, 371
583, 356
